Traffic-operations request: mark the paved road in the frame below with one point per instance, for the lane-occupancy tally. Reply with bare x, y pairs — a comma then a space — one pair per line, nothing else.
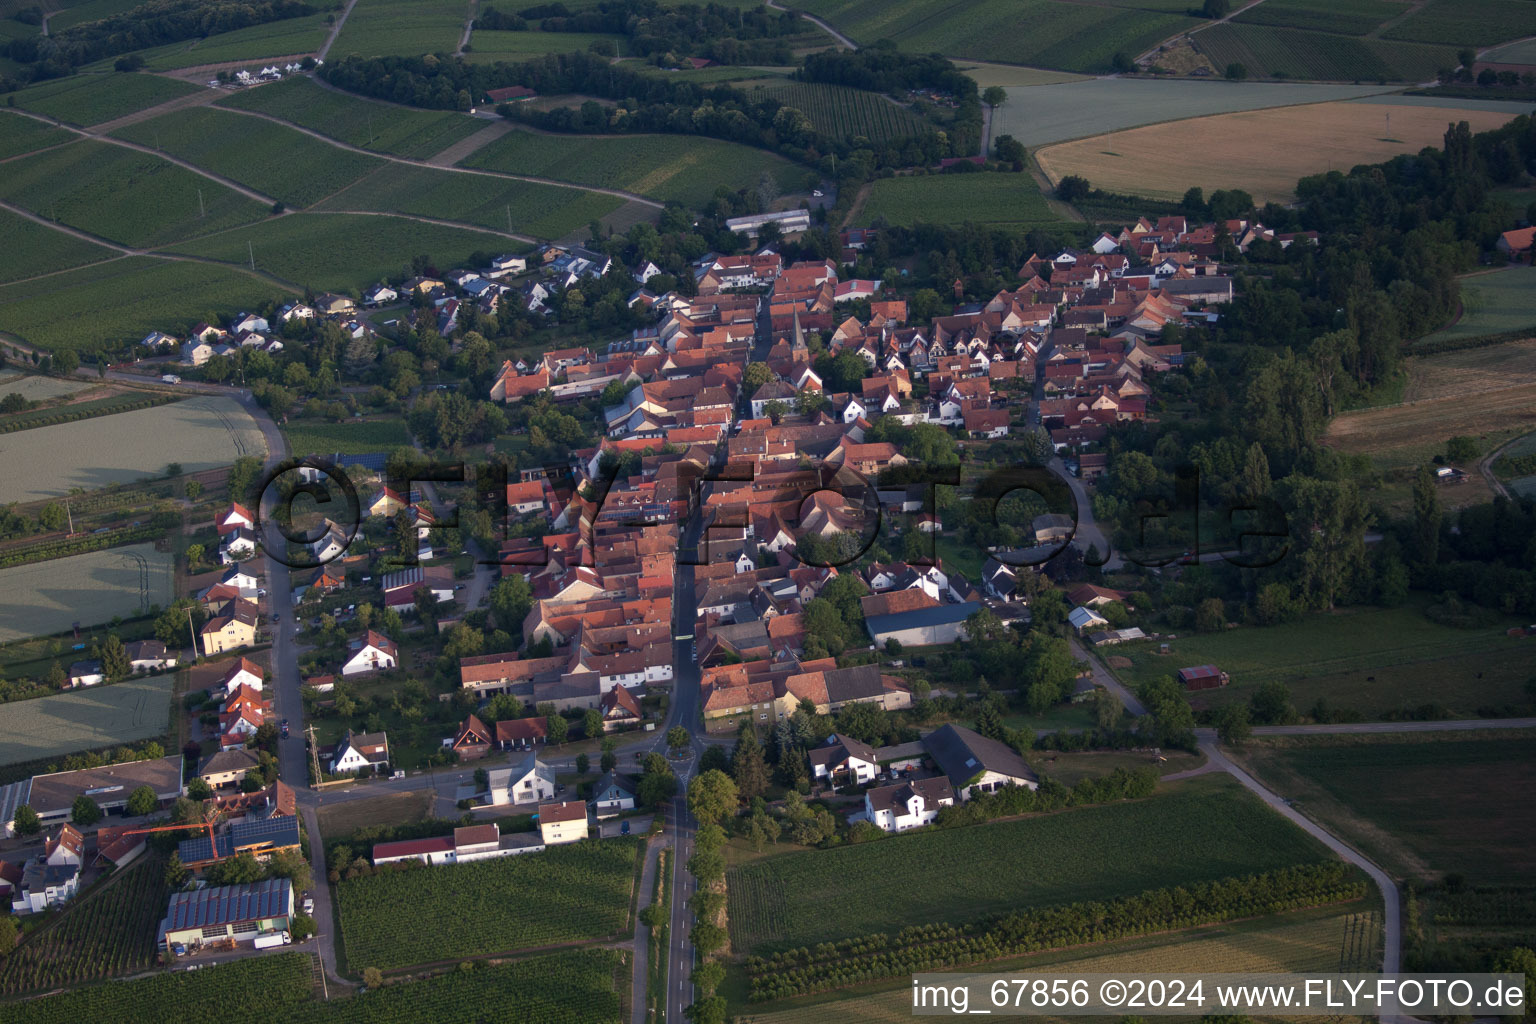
640, 974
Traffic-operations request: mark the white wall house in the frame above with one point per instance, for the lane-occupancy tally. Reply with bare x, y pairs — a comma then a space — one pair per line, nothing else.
908, 805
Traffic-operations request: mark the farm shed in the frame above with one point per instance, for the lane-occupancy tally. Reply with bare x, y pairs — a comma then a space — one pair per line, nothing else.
1202, 677
227, 912
940, 625
52, 796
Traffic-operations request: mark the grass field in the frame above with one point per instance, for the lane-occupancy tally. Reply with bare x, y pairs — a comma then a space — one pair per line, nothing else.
1264, 152
487, 46
31, 249
38, 389
544, 211
1372, 659
1046, 33
1494, 302
1013, 75
1413, 806
340, 251
48, 597
1467, 22
200, 433
1522, 52
1206, 828
123, 300
123, 195
269, 158
1267, 51
1012, 199
87, 99
340, 820
354, 120
665, 167
409, 28
563, 894
287, 38
19, 134
847, 113
357, 437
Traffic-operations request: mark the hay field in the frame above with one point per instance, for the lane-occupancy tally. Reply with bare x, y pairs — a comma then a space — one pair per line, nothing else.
1263, 152
48, 597
37, 389
102, 716
200, 433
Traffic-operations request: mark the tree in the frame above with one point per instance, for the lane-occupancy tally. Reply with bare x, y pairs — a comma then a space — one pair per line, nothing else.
1107, 708
1210, 615
1072, 187
989, 721
177, 874
712, 795
511, 599
677, 739
1232, 726
372, 977
994, 96
556, 728
1461, 448
1426, 517
53, 516
755, 376
27, 821
715, 759
583, 764
1010, 151
1271, 704
301, 926
84, 811
1122, 63
748, 766
195, 552
1215, 9
1236, 71
610, 758
142, 801
657, 783
592, 723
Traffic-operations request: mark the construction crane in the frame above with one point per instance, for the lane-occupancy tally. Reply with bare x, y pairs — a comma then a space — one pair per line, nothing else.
208, 825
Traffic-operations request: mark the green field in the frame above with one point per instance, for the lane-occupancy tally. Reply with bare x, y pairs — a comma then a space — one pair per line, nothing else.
19, 134
984, 198
1207, 828
102, 716
1345, 17
563, 894
1269, 52
123, 301
848, 113
121, 194
357, 121
280, 162
491, 45
356, 437
91, 10
1046, 33
1522, 52
545, 211
575, 987
408, 28
1413, 661
87, 99
1492, 303
1415, 807
290, 37
31, 249
1468, 22
685, 168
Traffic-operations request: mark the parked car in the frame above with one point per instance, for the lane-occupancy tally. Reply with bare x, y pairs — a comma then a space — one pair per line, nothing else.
171, 378
624, 829
309, 906
818, 193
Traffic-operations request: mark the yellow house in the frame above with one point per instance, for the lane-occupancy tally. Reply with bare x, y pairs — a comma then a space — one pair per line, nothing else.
563, 822
235, 629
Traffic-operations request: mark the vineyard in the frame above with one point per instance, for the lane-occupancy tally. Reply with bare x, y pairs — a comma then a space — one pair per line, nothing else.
1468, 22
111, 931
20, 135
1350, 17
1207, 829
1267, 51
32, 249
981, 198
564, 894
847, 113
87, 99
576, 987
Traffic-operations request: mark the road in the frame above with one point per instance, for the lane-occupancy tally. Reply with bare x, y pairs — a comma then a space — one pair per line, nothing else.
330, 40
842, 40
1103, 677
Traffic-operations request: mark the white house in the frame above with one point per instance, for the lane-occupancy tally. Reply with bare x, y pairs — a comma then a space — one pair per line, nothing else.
86, 673
563, 822
612, 795
843, 761
241, 672
1083, 618
1105, 243
52, 878
359, 751
250, 322
379, 294
196, 352
908, 804
236, 546
374, 652
975, 764
527, 781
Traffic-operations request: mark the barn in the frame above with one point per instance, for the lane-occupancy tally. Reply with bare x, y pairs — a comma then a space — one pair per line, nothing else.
1202, 677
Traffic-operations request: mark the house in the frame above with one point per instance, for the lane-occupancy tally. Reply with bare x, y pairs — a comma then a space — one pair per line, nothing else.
237, 546
941, 624
227, 914
380, 295
843, 760
1517, 245
526, 781
521, 733
86, 673
506, 264
374, 652
157, 341
467, 843
612, 795
975, 764
228, 767
986, 423
236, 517
148, 656
235, 628
563, 822
1203, 677
1083, 618
241, 672
360, 751
260, 836
620, 709
472, 741
400, 588
331, 303
51, 878
908, 805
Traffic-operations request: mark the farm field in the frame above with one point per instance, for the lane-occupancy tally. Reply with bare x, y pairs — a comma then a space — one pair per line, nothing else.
37, 389
409, 28
1521, 52
359, 122
1412, 805
123, 300
1206, 828
102, 716
121, 194
290, 37
1355, 18
1264, 152
1413, 661
1042, 114
563, 894
200, 433
575, 987
1494, 302
486, 46
341, 252
91, 10
1296, 942
32, 249
985, 198
356, 437
1267, 51
109, 931
1467, 22
269, 158
665, 167
87, 99
20, 134
1013, 75
1046, 33
544, 211
845, 112
1472, 371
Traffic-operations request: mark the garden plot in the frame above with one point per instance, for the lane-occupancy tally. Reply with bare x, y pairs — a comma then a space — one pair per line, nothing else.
41, 598
200, 433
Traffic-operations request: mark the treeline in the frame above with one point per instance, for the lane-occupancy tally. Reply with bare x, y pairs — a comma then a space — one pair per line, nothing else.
1053, 795
928, 947
727, 35
150, 24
